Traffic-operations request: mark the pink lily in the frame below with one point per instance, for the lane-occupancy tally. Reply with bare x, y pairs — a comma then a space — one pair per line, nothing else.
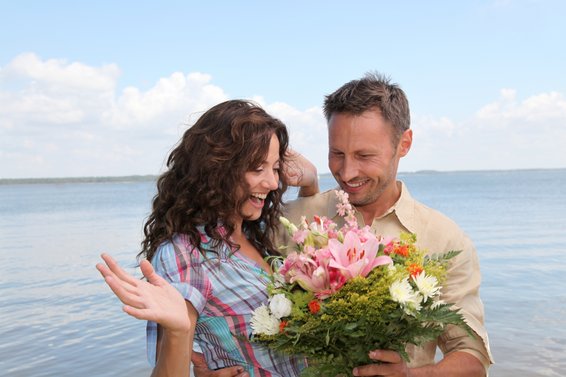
356, 256
305, 270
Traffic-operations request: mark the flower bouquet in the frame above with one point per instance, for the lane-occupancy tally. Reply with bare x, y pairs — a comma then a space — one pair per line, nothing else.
345, 292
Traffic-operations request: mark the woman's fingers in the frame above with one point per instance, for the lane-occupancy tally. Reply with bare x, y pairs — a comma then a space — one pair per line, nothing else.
127, 297
128, 290
142, 314
107, 273
117, 270
149, 273
155, 299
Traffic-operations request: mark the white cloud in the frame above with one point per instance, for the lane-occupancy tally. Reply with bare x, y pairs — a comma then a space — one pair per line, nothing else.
307, 130
542, 109
505, 134
61, 118
53, 92
171, 97
80, 124
57, 74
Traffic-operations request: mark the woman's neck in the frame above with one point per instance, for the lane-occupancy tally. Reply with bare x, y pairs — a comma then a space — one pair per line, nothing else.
238, 233
248, 249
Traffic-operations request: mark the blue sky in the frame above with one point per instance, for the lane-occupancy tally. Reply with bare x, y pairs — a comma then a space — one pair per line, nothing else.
106, 88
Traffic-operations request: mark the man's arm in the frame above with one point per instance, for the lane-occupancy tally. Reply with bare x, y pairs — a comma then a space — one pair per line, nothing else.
200, 369
457, 364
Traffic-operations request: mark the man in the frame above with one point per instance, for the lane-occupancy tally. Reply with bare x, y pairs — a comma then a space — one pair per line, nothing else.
368, 133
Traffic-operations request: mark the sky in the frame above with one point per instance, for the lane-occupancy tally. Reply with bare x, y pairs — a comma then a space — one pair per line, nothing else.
106, 88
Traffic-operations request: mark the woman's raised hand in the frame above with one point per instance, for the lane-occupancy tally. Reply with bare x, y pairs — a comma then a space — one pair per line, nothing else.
155, 299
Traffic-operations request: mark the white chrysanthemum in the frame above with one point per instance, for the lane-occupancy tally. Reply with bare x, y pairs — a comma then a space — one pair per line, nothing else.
280, 306
263, 322
427, 285
402, 292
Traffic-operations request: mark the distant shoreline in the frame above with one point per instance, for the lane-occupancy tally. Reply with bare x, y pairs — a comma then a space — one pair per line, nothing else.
146, 178
121, 179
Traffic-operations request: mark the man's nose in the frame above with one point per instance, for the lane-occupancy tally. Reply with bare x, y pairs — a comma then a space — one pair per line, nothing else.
349, 169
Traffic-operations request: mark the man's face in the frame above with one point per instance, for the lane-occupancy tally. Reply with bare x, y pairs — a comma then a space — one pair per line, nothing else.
362, 156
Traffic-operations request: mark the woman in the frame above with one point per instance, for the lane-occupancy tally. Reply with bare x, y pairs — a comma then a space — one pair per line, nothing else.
210, 229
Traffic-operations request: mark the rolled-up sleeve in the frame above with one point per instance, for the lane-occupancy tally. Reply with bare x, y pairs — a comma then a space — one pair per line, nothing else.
462, 289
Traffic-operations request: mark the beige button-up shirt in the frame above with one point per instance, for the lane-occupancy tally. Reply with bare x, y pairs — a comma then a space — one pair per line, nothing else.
437, 234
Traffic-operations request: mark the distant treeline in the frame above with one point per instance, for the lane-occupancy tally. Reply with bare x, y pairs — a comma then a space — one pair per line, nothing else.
129, 178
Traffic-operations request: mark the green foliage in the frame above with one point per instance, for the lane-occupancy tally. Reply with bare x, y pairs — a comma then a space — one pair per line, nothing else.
360, 317
363, 315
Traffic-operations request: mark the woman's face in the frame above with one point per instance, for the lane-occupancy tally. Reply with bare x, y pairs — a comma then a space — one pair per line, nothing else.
261, 181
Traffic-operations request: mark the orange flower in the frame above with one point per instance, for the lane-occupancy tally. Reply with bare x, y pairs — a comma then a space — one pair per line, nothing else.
402, 250
414, 269
314, 306
282, 325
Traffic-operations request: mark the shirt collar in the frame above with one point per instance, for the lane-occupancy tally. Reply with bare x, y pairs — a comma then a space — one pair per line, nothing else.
404, 209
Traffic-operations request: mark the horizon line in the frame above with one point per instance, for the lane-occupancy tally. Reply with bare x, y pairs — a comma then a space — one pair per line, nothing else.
151, 177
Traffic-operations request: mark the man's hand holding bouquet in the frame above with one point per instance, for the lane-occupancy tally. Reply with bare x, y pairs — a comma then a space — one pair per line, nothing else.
345, 292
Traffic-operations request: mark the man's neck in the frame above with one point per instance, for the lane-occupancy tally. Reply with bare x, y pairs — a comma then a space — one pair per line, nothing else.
381, 205
369, 213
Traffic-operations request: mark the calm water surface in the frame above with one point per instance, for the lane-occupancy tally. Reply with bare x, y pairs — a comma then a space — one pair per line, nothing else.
57, 317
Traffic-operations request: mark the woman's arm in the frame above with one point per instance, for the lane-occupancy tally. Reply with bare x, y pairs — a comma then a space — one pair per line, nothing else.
156, 300
174, 349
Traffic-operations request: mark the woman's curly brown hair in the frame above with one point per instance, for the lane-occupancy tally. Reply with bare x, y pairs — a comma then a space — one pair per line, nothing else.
206, 169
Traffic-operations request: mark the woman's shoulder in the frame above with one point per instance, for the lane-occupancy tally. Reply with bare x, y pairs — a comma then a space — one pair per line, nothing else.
182, 246
174, 257
177, 246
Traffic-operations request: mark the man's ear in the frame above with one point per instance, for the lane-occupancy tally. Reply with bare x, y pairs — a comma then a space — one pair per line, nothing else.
405, 142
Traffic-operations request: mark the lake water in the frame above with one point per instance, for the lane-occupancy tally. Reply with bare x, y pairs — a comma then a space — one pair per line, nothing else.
58, 318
